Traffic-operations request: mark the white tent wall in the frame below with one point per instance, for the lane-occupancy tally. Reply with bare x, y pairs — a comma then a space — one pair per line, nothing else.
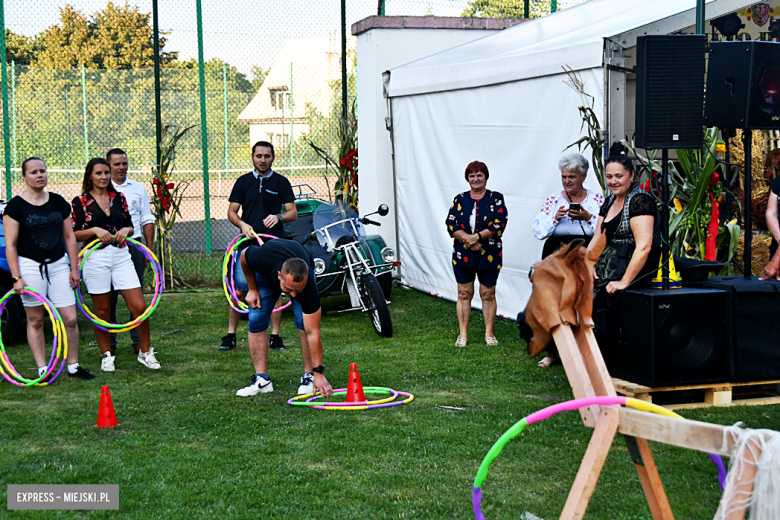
437, 135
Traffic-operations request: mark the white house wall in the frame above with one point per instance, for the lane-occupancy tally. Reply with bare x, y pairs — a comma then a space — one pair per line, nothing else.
519, 130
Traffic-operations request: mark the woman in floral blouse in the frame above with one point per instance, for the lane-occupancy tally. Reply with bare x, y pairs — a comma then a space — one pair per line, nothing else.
101, 212
476, 222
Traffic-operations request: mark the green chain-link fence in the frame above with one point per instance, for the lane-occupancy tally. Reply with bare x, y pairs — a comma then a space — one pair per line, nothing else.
80, 81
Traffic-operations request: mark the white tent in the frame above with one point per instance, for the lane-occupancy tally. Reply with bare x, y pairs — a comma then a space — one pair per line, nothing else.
502, 100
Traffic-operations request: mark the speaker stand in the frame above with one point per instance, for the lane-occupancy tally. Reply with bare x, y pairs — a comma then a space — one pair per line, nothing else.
747, 142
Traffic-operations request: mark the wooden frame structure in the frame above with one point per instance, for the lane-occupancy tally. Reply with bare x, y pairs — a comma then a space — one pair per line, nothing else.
588, 376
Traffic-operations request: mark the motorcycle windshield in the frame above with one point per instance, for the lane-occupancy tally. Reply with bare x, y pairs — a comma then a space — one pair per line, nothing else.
337, 223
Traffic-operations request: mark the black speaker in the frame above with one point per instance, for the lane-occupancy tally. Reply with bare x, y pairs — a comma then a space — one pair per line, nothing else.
743, 85
663, 338
755, 328
670, 91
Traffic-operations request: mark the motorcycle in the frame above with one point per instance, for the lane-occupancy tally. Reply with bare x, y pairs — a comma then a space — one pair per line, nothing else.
346, 260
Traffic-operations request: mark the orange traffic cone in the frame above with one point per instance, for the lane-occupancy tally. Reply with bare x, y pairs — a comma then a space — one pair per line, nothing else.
106, 413
355, 387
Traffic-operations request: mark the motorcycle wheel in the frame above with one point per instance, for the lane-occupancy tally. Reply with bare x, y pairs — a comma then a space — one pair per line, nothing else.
377, 305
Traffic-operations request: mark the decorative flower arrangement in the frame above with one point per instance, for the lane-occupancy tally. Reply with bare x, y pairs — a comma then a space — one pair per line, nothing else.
168, 195
346, 187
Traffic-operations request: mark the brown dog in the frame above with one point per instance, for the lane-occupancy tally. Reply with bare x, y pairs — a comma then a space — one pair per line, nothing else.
562, 291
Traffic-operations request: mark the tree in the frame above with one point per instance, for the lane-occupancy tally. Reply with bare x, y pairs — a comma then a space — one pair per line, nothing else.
115, 38
19, 48
506, 9
258, 76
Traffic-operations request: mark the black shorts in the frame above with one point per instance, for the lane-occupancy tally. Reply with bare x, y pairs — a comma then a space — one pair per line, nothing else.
487, 277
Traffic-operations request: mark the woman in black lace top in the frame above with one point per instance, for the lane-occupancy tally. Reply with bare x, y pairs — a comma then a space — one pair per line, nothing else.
629, 218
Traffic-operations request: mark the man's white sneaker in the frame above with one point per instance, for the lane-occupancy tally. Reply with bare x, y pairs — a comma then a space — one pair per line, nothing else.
307, 385
148, 360
259, 385
107, 363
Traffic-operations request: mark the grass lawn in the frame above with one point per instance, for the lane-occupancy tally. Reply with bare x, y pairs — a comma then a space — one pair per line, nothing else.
187, 447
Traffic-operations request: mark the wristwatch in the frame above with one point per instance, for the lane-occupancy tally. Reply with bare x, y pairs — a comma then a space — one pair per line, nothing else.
281, 220
16, 278
320, 369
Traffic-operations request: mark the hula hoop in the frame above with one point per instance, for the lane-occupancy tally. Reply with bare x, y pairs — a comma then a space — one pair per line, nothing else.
575, 404
59, 347
158, 289
228, 263
364, 405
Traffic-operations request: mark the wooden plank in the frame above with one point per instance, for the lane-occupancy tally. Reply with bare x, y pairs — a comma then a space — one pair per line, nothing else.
592, 463
652, 485
756, 401
594, 362
576, 372
717, 396
694, 435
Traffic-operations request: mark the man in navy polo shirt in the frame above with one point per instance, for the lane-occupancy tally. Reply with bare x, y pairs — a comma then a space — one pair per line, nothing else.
283, 266
260, 195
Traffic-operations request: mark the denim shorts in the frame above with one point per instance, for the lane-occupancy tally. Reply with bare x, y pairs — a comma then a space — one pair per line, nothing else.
260, 319
239, 280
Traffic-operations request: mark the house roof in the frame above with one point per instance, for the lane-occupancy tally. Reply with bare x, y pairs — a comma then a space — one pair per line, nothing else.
313, 63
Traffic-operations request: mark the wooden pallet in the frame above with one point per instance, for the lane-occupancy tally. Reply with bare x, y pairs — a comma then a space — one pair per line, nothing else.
715, 394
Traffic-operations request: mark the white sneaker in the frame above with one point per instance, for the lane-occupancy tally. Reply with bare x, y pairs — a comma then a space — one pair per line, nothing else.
148, 360
107, 363
307, 385
258, 385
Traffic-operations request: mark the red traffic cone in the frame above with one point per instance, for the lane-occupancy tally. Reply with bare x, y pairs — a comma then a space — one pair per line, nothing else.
106, 413
355, 387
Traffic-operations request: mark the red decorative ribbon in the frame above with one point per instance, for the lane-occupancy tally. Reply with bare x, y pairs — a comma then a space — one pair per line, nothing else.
164, 196
711, 249
348, 162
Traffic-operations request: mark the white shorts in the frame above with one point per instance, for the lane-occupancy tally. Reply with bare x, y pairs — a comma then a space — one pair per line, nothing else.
56, 288
110, 266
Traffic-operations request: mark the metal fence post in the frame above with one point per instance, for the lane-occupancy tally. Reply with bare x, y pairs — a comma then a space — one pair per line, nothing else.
292, 116
227, 137
343, 59
84, 111
204, 140
553, 5
6, 131
13, 114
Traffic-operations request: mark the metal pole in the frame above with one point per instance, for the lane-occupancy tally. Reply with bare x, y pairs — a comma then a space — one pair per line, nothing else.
67, 127
747, 141
665, 252
204, 139
292, 116
526, 9
157, 88
344, 59
700, 17
84, 112
553, 6
13, 114
227, 138
6, 131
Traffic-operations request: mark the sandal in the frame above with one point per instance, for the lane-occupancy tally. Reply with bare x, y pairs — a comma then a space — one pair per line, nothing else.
491, 341
547, 361
461, 341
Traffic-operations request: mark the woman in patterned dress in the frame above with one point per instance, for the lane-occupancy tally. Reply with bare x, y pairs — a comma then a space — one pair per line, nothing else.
476, 221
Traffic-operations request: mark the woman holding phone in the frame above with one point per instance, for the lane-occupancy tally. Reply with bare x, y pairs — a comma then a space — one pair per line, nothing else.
570, 213
566, 215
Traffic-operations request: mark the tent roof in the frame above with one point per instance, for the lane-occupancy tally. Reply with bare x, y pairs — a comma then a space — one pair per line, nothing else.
572, 37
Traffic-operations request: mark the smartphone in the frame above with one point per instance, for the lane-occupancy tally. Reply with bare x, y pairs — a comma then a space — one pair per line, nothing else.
574, 206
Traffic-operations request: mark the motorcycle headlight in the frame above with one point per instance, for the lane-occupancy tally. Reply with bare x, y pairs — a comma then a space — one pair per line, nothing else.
388, 255
319, 266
